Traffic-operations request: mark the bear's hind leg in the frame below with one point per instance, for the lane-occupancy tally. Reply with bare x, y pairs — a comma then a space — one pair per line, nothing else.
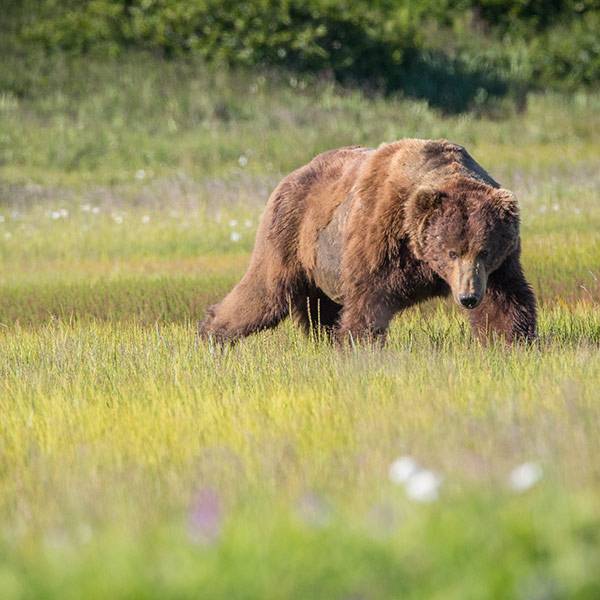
251, 306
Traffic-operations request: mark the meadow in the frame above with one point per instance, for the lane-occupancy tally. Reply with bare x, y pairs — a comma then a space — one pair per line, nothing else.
137, 462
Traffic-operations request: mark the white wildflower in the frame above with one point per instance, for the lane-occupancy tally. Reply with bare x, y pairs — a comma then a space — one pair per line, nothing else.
95, 210
242, 161
55, 214
118, 219
423, 486
525, 476
248, 223
140, 174
402, 469
233, 223
145, 219
235, 236
420, 485
64, 213
2, 219
86, 207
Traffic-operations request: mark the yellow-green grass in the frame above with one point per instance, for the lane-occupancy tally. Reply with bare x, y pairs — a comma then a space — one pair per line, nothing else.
117, 422
138, 462
111, 432
147, 263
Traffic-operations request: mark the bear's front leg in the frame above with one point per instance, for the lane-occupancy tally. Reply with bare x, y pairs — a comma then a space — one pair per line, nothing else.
509, 306
365, 318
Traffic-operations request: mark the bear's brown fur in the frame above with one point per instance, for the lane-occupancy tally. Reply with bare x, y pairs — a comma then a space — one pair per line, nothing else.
358, 234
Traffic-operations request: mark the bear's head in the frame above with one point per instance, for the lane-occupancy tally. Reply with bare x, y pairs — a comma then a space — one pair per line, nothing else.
463, 233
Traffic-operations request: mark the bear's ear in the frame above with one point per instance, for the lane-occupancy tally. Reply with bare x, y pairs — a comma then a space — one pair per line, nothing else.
424, 202
506, 202
419, 209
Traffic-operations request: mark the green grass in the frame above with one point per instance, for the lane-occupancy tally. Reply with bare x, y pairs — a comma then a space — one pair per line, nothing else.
88, 123
136, 462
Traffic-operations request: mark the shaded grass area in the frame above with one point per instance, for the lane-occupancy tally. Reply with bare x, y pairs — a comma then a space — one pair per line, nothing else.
179, 298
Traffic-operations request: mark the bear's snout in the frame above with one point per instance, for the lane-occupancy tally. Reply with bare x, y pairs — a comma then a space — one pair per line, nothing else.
468, 281
469, 300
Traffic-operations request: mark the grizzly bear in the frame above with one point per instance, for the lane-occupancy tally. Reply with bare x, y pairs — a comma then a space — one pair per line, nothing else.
359, 234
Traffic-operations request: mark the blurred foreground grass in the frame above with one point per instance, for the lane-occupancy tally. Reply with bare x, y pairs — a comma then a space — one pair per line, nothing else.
136, 462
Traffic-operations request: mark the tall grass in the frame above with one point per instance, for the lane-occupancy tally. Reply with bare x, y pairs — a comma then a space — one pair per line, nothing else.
90, 122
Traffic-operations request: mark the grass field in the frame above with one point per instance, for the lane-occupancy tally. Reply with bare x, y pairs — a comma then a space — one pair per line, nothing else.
137, 463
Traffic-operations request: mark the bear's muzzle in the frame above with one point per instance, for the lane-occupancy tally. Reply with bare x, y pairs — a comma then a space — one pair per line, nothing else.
468, 282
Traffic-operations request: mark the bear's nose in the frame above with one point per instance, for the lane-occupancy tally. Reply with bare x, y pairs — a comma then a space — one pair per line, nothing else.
468, 300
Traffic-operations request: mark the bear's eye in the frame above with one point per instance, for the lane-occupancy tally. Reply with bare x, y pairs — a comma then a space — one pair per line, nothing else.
452, 254
483, 254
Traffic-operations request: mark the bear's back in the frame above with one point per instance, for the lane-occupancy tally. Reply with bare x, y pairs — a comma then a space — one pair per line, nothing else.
436, 160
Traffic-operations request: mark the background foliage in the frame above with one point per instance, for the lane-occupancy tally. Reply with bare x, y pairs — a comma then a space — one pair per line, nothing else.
455, 53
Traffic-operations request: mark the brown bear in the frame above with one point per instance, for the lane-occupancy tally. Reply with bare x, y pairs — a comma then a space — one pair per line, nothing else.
359, 234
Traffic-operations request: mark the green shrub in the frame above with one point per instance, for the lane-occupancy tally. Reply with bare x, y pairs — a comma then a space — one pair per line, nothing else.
458, 54
569, 56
